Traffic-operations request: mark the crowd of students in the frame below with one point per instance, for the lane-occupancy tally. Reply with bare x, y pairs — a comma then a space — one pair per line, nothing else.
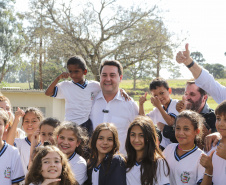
48, 151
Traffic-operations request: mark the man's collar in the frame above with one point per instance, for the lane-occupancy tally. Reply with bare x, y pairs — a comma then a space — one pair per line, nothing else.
117, 96
205, 109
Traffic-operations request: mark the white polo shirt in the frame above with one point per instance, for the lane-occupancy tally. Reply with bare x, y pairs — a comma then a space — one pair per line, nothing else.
133, 177
24, 145
207, 82
11, 170
79, 167
78, 99
219, 167
117, 111
156, 117
185, 169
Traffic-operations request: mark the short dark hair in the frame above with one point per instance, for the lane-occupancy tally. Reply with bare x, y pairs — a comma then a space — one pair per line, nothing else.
112, 63
53, 122
158, 82
221, 109
77, 60
201, 91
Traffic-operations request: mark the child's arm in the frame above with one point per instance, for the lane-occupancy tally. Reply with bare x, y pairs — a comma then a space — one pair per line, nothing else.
169, 119
13, 130
34, 142
50, 89
141, 104
206, 162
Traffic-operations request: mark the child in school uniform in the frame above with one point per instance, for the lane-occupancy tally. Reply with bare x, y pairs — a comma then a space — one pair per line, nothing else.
219, 163
50, 167
43, 134
165, 111
145, 161
78, 93
184, 158
31, 121
11, 127
71, 140
11, 170
105, 166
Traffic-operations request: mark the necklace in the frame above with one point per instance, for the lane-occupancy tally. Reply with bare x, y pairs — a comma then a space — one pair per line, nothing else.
186, 150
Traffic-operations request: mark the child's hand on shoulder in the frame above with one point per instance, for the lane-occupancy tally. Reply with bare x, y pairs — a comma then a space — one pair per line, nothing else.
63, 75
19, 113
143, 98
206, 161
221, 151
49, 181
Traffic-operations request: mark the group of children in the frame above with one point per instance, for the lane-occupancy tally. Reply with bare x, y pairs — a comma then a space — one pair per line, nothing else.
62, 153
61, 161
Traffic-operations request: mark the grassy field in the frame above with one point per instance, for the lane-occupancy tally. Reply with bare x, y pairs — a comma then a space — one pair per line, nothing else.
141, 88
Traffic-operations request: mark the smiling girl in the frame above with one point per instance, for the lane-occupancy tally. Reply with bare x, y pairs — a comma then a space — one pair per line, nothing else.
50, 166
184, 158
71, 140
31, 121
145, 161
105, 167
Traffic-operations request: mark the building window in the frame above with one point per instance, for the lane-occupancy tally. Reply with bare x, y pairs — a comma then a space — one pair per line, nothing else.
43, 109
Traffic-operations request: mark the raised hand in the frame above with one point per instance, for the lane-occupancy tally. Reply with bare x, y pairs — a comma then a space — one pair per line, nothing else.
63, 75
143, 98
35, 137
156, 102
184, 56
206, 161
19, 113
181, 105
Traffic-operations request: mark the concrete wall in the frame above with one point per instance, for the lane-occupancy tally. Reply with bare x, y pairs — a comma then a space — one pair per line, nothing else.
51, 107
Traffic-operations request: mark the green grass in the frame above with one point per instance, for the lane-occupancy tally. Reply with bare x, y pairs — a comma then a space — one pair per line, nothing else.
141, 88
20, 85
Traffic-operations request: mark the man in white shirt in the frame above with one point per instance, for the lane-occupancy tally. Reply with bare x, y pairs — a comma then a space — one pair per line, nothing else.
109, 105
202, 77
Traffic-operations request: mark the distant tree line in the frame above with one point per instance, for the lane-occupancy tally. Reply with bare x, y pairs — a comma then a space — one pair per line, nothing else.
37, 53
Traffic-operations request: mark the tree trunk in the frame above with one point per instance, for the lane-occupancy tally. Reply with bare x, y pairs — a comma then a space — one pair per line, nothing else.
40, 64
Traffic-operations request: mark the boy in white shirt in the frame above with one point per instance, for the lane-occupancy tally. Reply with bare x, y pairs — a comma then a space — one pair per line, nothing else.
165, 108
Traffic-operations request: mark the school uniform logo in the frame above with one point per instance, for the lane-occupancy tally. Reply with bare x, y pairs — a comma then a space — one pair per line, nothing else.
92, 96
185, 177
7, 172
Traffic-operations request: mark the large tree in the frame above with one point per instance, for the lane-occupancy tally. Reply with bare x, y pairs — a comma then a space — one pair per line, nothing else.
217, 70
198, 57
107, 31
11, 38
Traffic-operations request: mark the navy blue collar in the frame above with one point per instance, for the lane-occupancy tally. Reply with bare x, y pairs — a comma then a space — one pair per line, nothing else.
71, 157
167, 106
98, 167
218, 142
137, 163
3, 148
184, 155
83, 86
28, 142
